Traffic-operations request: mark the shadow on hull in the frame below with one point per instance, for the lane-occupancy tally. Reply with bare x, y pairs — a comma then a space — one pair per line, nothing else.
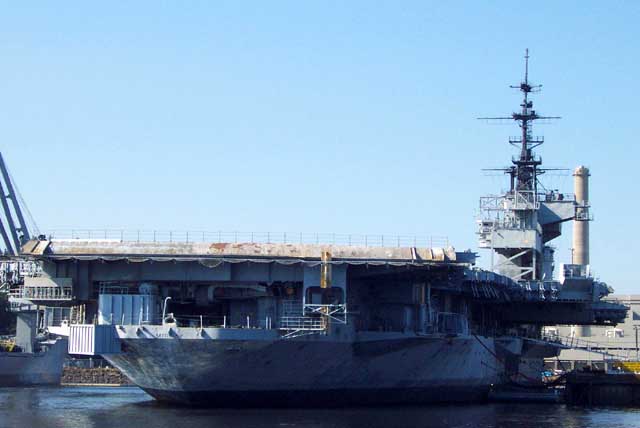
321, 398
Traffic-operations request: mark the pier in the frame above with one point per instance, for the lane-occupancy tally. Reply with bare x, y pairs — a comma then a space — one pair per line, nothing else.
599, 388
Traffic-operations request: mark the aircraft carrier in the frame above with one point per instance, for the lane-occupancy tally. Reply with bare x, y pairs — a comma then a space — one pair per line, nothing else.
289, 320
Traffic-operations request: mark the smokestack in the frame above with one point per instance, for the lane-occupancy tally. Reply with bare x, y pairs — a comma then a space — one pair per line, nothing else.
581, 224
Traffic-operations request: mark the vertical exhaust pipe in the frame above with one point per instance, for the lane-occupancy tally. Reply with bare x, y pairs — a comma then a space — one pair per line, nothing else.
581, 223
580, 254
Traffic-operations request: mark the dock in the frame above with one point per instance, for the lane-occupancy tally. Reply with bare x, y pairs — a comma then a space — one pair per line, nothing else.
620, 387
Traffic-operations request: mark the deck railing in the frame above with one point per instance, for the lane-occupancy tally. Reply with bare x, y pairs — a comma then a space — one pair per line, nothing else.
366, 240
53, 293
302, 323
335, 312
606, 349
21, 306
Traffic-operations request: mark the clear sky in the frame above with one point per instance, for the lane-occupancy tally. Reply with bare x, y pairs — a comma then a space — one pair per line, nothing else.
332, 116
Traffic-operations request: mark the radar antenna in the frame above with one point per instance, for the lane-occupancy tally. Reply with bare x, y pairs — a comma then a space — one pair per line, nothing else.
525, 169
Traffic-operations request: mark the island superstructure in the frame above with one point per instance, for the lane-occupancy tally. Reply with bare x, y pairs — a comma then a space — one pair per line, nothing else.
247, 323
518, 225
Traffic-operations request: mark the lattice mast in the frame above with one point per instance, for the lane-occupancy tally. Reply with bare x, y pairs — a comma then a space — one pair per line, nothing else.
525, 170
512, 226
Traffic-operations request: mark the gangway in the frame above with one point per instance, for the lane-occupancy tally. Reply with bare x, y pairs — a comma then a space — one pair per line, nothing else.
577, 343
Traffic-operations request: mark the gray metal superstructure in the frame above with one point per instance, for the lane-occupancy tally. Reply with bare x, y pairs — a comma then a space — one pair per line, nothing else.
29, 357
518, 224
600, 345
42, 367
250, 323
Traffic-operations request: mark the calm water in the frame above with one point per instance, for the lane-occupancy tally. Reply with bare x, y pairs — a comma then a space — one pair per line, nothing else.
132, 408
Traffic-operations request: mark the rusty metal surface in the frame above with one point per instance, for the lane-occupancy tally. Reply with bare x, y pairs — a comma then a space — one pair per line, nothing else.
87, 249
35, 247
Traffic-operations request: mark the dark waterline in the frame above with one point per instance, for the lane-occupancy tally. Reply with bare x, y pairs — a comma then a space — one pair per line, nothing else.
74, 407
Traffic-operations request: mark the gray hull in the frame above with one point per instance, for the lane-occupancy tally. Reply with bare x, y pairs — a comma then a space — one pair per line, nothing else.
27, 369
311, 372
324, 398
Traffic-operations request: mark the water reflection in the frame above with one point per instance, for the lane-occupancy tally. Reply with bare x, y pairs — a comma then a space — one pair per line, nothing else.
131, 408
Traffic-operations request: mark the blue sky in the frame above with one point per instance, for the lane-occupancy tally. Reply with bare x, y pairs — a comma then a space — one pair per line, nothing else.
347, 117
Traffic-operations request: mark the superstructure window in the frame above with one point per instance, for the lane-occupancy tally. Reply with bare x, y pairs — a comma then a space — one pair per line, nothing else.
614, 333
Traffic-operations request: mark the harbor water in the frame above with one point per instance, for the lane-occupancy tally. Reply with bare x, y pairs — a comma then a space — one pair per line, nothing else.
106, 407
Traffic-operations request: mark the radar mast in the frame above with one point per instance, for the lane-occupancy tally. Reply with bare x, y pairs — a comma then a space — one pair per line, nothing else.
512, 224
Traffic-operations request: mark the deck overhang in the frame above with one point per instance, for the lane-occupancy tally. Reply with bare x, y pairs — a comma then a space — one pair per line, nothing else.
209, 254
